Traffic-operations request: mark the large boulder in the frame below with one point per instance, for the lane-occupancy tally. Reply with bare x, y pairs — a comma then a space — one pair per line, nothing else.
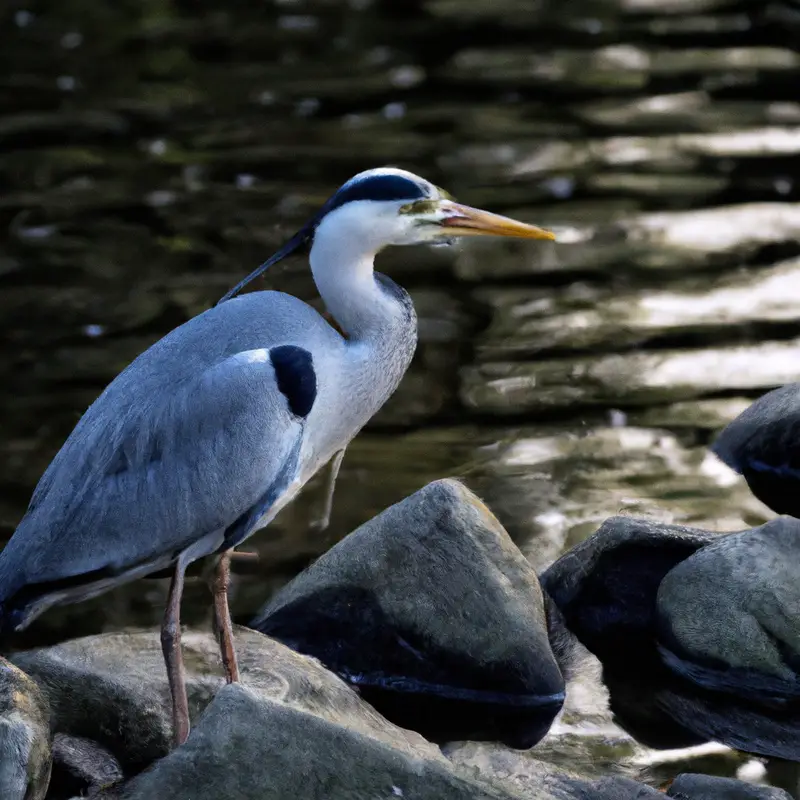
111, 702
435, 615
25, 737
729, 621
697, 632
249, 747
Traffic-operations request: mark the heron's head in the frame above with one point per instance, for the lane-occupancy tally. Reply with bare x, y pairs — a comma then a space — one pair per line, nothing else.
387, 206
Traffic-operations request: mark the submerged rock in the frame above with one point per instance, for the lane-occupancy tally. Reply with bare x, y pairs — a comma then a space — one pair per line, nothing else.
437, 618
25, 736
630, 379
697, 633
248, 747
527, 322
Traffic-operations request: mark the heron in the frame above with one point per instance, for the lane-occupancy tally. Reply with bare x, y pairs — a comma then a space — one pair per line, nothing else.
212, 430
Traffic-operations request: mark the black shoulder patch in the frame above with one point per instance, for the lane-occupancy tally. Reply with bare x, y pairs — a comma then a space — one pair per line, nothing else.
297, 381
377, 187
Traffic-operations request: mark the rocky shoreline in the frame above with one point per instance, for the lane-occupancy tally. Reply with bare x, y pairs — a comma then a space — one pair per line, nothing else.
418, 658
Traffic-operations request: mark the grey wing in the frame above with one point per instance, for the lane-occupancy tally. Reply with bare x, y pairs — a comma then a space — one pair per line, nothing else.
135, 485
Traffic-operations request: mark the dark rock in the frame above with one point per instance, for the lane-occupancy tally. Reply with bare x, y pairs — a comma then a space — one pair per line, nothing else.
111, 690
25, 737
709, 787
247, 747
81, 767
605, 588
760, 444
729, 624
434, 614
694, 630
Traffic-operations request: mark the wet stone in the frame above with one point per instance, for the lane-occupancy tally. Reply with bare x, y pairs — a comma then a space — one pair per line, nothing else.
425, 649
111, 692
25, 736
248, 747
693, 630
709, 787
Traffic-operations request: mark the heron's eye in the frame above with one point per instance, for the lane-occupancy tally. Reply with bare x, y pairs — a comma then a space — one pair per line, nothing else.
419, 207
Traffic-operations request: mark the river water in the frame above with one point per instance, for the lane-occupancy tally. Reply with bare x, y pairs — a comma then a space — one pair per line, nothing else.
152, 153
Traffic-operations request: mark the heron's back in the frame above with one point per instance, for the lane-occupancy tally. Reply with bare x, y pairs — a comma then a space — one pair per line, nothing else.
123, 489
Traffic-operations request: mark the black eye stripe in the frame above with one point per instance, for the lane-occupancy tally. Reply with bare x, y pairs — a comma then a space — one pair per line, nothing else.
378, 187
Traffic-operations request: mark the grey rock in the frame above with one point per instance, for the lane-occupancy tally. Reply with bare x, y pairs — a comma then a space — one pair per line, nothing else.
435, 615
605, 588
112, 690
760, 445
81, 767
697, 633
25, 736
530, 776
247, 747
690, 786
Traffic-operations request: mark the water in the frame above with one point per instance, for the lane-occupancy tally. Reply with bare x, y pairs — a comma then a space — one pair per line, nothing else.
153, 153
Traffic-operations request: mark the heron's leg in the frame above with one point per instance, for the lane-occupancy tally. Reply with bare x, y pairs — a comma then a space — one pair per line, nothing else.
223, 626
171, 646
325, 519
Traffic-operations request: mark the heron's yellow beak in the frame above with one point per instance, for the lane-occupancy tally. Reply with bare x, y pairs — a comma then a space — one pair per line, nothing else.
467, 221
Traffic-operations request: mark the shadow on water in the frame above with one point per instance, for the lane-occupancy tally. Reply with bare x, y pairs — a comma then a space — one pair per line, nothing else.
152, 153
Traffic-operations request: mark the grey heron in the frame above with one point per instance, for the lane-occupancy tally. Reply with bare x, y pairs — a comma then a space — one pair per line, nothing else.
211, 431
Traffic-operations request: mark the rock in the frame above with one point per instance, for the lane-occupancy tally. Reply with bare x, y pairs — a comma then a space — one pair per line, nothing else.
760, 445
438, 619
81, 767
247, 747
25, 737
666, 241
112, 690
525, 323
530, 777
690, 786
631, 379
694, 630
605, 588
728, 623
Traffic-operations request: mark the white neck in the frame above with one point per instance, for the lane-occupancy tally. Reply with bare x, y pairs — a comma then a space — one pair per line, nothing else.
342, 263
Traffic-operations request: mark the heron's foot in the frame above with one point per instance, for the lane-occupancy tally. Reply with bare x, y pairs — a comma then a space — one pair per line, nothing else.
222, 616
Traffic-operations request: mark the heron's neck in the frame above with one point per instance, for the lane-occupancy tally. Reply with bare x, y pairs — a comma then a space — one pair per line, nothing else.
343, 270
